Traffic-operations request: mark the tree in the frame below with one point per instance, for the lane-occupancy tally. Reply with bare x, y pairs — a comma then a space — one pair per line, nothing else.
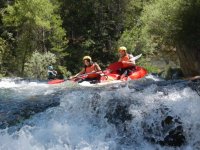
93, 28
37, 27
36, 67
175, 23
131, 36
3, 48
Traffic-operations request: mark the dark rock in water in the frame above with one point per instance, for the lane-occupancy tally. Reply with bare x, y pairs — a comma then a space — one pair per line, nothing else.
174, 73
118, 115
165, 129
143, 83
168, 120
159, 126
175, 137
195, 85
14, 112
171, 73
118, 111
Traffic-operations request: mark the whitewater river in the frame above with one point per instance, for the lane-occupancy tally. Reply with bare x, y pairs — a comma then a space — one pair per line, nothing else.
147, 114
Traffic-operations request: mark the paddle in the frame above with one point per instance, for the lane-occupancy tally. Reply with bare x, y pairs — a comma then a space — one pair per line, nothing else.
56, 81
84, 75
136, 57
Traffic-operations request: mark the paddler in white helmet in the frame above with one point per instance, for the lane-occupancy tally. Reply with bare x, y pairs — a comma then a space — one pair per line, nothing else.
127, 61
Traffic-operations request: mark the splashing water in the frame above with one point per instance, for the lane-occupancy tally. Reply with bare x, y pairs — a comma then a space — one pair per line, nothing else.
146, 114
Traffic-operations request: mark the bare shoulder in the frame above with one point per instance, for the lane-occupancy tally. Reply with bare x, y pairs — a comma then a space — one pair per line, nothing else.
96, 64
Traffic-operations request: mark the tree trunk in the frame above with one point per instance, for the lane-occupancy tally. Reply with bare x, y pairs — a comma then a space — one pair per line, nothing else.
189, 60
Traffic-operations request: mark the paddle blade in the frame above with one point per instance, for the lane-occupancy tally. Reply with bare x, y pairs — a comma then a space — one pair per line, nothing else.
56, 81
136, 57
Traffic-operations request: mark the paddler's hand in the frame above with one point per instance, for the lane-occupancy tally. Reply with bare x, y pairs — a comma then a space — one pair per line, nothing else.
129, 63
125, 62
107, 71
71, 77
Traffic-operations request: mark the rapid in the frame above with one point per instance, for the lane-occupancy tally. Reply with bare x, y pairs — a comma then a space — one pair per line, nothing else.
145, 114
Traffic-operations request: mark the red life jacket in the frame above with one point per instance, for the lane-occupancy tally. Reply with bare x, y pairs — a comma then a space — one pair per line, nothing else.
90, 69
125, 58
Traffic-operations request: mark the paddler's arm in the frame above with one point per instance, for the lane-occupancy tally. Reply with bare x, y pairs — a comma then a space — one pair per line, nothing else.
80, 73
54, 72
130, 63
97, 67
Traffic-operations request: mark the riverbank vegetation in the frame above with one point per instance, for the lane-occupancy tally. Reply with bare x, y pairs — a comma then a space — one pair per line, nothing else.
37, 33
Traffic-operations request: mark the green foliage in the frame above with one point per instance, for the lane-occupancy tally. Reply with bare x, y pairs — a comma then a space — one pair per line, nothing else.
188, 24
169, 25
130, 39
161, 23
37, 66
150, 68
33, 12
57, 37
37, 27
94, 27
3, 46
133, 12
5, 57
63, 72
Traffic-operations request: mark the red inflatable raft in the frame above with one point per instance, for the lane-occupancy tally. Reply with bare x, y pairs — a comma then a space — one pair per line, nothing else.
111, 73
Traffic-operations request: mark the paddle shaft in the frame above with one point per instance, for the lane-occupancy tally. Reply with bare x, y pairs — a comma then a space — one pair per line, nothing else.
86, 74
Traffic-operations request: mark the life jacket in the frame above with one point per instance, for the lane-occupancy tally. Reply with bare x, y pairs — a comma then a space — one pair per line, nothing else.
89, 69
127, 57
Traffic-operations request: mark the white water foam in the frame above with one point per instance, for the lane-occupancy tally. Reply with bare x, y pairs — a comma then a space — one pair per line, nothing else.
79, 123
15, 82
